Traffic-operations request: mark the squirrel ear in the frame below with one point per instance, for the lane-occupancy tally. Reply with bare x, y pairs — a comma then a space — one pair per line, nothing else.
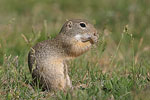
69, 24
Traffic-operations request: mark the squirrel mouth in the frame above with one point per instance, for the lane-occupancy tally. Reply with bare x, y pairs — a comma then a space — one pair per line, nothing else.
92, 38
89, 39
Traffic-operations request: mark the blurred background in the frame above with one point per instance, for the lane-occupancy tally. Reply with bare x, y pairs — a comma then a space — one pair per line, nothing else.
124, 27
45, 18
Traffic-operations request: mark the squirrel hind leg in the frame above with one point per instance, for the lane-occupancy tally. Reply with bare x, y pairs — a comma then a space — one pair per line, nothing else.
61, 83
58, 84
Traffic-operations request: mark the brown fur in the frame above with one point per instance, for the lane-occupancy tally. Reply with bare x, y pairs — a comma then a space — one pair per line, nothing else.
47, 59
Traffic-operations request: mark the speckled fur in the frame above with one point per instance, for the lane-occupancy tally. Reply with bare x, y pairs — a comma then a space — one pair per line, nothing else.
47, 59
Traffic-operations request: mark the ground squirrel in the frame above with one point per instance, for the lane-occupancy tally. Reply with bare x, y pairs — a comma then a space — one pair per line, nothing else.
47, 59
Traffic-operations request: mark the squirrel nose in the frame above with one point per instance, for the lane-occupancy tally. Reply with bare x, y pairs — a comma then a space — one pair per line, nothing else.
96, 34
95, 37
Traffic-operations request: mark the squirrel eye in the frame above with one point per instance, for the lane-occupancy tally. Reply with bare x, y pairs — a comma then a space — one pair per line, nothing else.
82, 25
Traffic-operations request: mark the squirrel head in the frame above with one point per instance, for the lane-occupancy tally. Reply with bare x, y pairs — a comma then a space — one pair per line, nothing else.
78, 36
80, 30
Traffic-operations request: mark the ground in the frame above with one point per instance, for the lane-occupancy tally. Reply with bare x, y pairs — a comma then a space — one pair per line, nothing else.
117, 68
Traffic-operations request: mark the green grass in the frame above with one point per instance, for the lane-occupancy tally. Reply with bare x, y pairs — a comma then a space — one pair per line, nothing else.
118, 68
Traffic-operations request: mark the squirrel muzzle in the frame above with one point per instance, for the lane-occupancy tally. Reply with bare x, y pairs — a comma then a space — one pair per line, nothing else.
93, 38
